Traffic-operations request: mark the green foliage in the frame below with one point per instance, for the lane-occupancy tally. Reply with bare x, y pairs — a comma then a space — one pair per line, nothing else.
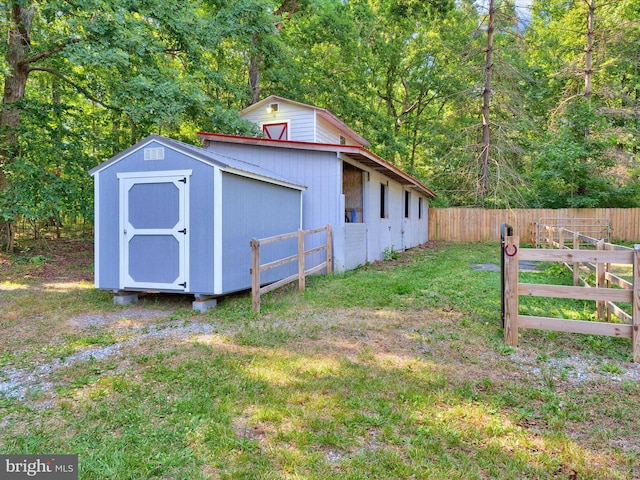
405, 75
389, 253
573, 168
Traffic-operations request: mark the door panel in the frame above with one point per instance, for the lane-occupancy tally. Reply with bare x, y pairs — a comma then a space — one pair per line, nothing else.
154, 246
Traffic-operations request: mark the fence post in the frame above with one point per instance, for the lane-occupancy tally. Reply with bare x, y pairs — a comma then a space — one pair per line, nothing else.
561, 238
255, 275
607, 283
600, 282
635, 317
576, 265
301, 255
511, 290
329, 250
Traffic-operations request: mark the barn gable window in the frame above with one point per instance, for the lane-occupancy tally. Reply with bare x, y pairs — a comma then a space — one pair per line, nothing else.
276, 131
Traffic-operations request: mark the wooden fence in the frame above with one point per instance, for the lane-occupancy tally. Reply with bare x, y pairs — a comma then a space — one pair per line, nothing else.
602, 293
482, 225
256, 268
604, 274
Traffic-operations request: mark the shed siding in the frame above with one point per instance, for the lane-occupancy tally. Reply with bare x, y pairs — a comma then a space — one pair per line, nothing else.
323, 201
320, 171
201, 221
255, 209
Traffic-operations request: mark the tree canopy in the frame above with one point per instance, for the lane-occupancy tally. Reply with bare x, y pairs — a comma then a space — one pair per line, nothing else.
84, 79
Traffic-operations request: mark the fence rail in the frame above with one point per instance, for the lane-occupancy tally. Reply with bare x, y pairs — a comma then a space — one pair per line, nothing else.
482, 225
256, 268
602, 293
604, 274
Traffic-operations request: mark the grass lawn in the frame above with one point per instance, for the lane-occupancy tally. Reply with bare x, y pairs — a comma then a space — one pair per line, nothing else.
395, 370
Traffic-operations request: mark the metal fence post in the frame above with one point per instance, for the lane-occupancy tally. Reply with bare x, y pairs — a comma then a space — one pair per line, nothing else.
505, 231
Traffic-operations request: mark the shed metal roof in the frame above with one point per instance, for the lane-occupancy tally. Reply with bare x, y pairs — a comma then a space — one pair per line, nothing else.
355, 152
229, 164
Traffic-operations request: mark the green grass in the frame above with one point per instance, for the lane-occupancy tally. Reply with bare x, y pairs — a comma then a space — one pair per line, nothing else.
382, 372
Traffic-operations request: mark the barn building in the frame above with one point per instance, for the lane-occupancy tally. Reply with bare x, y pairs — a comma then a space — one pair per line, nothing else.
173, 217
372, 206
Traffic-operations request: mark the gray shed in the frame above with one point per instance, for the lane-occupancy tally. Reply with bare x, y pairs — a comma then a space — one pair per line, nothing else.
172, 217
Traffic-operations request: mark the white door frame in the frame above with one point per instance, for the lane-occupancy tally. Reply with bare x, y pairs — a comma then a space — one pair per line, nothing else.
180, 178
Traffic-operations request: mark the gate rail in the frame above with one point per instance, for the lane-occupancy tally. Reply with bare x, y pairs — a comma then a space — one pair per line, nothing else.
593, 227
512, 289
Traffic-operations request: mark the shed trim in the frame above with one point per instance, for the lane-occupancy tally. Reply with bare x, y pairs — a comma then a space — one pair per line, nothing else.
96, 229
260, 178
217, 231
154, 173
197, 153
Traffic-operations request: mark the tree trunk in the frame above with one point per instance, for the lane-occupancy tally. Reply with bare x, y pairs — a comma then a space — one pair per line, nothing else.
588, 71
255, 64
18, 45
483, 187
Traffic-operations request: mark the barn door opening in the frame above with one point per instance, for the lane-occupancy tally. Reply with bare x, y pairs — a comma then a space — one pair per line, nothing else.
154, 245
352, 188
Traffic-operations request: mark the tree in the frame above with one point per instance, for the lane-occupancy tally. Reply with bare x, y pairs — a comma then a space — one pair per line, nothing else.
144, 63
594, 116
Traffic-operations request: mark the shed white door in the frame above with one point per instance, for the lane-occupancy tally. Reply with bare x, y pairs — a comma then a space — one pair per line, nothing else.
154, 230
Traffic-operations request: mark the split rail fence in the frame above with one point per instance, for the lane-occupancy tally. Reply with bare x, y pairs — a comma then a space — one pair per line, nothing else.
609, 288
256, 268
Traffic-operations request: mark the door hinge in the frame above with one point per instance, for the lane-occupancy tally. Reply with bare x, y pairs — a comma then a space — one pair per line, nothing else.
184, 230
183, 180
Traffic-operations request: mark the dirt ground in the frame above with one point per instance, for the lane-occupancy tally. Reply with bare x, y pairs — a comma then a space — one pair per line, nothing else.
49, 261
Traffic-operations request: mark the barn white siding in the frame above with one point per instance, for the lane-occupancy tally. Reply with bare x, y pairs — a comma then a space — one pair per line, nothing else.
301, 121
327, 133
